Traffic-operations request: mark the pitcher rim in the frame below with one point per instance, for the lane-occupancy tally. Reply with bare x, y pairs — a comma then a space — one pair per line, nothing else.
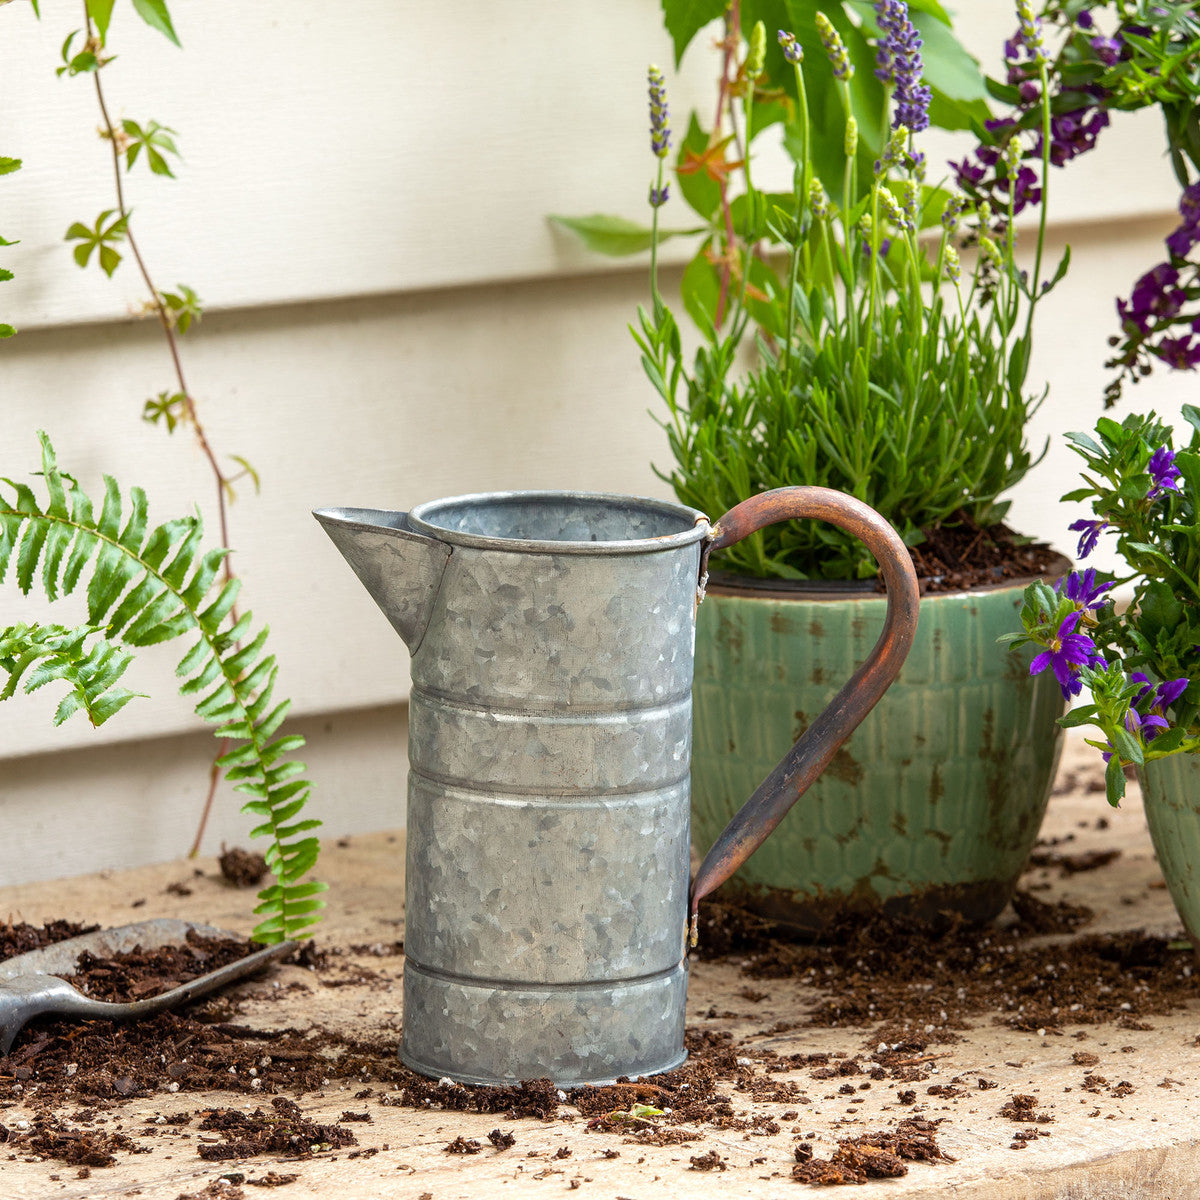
419, 520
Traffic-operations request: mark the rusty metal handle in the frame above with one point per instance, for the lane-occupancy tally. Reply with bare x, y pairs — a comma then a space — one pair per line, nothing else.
759, 816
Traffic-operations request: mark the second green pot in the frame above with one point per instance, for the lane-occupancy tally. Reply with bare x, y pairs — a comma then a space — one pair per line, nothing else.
935, 801
1171, 797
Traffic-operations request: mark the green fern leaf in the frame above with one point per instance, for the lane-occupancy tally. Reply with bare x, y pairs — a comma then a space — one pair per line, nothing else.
43, 654
135, 596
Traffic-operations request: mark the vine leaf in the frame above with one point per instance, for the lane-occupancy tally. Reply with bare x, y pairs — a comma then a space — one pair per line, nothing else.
156, 140
100, 238
149, 585
154, 13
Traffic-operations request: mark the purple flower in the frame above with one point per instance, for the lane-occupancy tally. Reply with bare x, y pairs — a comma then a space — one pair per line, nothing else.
968, 174
1074, 133
1182, 353
1090, 534
792, 50
1108, 50
1025, 190
1169, 692
659, 198
660, 128
1180, 241
1164, 474
1067, 653
1084, 20
1154, 296
1084, 590
898, 64
1149, 725
835, 48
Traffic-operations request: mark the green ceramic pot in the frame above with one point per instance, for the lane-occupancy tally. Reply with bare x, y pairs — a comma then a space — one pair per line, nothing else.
1171, 796
935, 801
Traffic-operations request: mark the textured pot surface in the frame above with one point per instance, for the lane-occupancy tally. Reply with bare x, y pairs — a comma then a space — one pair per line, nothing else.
935, 801
1171, 794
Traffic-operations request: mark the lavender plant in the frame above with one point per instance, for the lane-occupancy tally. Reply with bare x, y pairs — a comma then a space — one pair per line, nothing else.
879, 370
709, 153
1109, 56
1142, 665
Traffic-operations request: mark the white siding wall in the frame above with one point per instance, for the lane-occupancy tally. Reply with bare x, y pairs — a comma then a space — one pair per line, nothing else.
362, 206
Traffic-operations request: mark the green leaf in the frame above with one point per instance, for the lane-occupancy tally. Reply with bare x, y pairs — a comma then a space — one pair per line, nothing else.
101, 12
700, 289
154, 13
1114, 781
948, 67
702, 193
7, 331
7, 167
616, 236
140, 600
684, 19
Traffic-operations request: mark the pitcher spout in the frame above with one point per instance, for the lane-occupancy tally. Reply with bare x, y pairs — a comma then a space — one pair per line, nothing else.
402, 569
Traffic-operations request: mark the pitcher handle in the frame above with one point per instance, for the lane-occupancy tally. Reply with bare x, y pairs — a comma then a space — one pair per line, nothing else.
759, 816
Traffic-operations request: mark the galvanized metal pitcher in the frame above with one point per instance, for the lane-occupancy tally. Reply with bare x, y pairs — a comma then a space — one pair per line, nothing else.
552, 639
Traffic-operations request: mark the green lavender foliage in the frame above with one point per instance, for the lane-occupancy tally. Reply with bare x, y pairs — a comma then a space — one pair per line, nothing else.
151, 585
920, 422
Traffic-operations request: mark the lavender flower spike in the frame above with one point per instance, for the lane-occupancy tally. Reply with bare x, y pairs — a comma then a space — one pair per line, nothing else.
1031, 31
792, 50
1164, 474
898, 63
660, 126
843, 69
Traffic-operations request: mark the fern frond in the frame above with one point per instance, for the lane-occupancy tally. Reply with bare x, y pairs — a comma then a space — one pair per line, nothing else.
53, 653
151, 585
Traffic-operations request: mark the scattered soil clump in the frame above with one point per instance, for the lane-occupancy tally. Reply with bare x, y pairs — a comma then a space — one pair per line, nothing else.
285, 1130
241, 868
50, 1136
882, 1155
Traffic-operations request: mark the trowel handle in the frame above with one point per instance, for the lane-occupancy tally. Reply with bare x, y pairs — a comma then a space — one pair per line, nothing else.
821, 740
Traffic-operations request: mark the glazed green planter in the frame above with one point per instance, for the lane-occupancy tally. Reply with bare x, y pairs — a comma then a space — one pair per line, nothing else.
1171, 797
935, 801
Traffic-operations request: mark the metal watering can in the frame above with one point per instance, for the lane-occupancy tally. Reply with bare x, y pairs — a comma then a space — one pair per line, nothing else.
552, 638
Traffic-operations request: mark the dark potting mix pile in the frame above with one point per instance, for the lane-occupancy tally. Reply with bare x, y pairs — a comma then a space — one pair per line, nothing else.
962, 554
898, 990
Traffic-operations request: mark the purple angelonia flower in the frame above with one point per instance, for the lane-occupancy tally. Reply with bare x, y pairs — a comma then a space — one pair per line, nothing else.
898, 63
1067, 653
1164, 474
1181, 240
1182, 353
1089, 534
1155, 296
1108, 50
1084, 590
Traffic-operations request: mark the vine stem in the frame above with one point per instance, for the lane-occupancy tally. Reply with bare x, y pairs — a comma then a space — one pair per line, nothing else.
168, 329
